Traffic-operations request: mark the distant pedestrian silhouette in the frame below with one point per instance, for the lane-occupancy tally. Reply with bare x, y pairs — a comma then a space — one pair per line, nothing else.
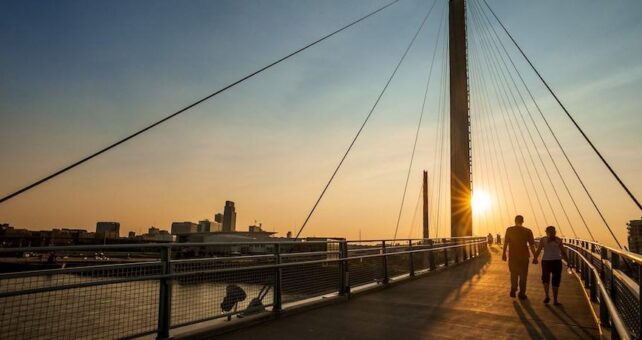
517, 240
551, 262
499, 239
490, 239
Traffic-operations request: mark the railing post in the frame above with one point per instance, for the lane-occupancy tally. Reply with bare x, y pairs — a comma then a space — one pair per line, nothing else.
165, 296
385, 262
412, 260
615, 263
603, 257
456, 249
431, 258
639, 300
465, 250
344, 272
446, 257
593, 287
278, 276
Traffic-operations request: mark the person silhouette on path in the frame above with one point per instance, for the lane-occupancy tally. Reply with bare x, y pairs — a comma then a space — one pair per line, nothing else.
517, 240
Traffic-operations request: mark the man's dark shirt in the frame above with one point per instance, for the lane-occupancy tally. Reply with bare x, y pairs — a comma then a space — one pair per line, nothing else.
518, 239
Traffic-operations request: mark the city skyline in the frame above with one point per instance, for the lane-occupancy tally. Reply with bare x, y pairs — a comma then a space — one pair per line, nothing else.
270, 144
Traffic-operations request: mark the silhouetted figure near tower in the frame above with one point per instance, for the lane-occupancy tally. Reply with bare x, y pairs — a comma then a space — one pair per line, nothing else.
518, 239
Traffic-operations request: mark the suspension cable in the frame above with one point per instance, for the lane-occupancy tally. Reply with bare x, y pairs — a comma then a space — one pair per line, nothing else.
505, 85
421, 115
530, 115
441, 134
568, 114
496, 140
354, 140
190, 106
503, 106
555, 136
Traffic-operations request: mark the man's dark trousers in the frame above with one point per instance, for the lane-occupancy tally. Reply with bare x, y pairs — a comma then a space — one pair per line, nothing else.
518, 272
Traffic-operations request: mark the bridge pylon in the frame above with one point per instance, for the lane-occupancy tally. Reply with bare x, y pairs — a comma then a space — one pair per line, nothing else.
460, 152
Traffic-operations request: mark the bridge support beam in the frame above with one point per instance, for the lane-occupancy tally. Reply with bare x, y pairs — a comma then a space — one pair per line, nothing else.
460, 156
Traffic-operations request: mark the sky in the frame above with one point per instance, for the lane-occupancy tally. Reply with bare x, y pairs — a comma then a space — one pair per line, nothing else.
77, 75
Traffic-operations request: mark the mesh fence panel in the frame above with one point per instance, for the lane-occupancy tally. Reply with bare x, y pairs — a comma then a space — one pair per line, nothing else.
628, 306
96, 312
398, 264
365, 270
199, 296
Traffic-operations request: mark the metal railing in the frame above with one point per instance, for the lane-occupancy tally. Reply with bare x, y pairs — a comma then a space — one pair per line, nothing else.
152, 288
612, 278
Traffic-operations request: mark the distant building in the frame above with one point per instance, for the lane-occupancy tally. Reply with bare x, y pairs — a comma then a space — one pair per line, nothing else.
184, 228
218, 218
229, 217
132, 234
635, 236
155, 234
255, 228
108, 229
204, 226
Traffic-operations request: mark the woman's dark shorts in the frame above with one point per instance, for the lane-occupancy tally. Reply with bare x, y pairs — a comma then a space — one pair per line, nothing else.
552, 267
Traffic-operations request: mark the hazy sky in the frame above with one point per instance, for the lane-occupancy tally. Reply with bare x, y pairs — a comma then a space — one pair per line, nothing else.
76, 75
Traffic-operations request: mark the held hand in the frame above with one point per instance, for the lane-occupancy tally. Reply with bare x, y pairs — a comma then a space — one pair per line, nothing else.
503, 257
535, 260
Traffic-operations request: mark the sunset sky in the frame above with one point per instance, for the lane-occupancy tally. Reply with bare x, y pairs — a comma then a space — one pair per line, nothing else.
76, 76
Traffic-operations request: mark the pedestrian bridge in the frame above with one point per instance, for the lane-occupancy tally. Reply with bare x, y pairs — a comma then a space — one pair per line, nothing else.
466, 300
310, 289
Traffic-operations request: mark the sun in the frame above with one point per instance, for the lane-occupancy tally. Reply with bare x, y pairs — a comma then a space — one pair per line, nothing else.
480, 201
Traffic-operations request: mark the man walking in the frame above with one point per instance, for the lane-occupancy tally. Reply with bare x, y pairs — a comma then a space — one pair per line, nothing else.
518, 239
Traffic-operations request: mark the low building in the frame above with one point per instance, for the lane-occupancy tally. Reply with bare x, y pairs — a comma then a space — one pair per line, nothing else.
108, 229
184, 228
155, 234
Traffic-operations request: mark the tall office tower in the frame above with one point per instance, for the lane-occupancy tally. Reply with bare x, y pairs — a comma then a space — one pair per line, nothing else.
229, 217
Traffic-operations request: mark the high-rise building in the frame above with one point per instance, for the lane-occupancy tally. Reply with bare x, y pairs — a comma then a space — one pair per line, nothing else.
635, 236
229, 217
184, 228
109, 229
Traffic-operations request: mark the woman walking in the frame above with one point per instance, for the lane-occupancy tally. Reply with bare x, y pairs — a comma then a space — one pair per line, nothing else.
554, 252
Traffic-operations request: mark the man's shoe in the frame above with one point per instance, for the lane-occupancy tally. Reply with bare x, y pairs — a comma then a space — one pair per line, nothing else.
547, 300
523, 296
512, 293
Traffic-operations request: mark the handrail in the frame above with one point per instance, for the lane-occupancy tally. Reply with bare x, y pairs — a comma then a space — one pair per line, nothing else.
605, 298
203, 244
637, 258
206, 271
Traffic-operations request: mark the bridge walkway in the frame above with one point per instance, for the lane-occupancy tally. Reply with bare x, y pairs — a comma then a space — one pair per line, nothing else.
467, 301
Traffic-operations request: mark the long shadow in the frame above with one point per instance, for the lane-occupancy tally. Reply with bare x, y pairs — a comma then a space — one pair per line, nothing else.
464, 283
540, 324
530, 328
402, 311
574, 326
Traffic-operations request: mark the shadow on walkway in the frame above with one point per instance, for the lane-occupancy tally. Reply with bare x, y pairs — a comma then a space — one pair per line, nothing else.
468, 300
